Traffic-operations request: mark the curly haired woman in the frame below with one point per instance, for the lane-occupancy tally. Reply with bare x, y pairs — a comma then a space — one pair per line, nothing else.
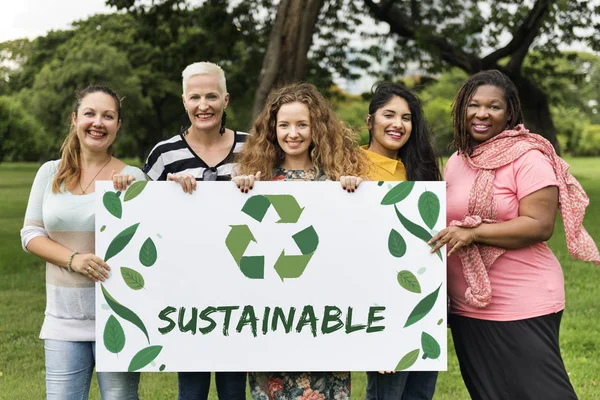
298, 137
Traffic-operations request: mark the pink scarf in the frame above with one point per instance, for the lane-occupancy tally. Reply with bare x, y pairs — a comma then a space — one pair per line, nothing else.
494, 153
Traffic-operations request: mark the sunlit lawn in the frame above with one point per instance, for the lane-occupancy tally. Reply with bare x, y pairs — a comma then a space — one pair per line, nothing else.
22, 301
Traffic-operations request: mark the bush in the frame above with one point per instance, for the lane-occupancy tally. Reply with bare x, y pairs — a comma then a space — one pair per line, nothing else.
22, 138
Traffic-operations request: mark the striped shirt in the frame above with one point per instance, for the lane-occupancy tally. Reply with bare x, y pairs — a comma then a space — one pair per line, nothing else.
69, 220
175, 155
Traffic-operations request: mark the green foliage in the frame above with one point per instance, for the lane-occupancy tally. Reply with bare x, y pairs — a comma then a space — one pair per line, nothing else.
437, 99
141, 55
21, 136
353, 110
589, 142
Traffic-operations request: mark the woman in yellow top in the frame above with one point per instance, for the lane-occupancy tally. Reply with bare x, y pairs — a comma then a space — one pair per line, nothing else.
399, 145
399, 149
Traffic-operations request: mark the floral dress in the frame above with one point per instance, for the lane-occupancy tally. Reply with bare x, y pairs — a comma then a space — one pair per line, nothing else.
299, 385
281, 174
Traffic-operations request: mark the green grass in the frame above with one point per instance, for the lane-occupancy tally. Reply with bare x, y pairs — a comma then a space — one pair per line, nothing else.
22, 302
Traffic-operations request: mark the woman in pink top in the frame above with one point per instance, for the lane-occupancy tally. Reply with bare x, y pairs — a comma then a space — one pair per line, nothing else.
506, 288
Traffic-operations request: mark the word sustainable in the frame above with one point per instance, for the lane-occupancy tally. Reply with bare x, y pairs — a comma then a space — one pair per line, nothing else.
206, 320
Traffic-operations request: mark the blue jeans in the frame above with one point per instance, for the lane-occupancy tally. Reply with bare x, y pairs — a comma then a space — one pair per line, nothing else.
413, 385
195, 385
69, 367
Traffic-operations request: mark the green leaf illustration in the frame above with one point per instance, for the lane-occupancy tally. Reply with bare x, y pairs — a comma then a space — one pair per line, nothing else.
134, 190
429, 208
396, 244
112, 204
125, 312
148, 253
431, 348
120, 241
423, 307
409, 281
162, 367
408, 360
102, 228
114, 336
398, 193
421, 270
144, 357
380, 183
440, 321
415, 229
132, 278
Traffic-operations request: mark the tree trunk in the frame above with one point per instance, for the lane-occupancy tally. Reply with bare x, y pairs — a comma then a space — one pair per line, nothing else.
289, 41
536, 110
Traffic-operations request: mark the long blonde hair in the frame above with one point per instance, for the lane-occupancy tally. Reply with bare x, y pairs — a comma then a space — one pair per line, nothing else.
69, 167
334, 150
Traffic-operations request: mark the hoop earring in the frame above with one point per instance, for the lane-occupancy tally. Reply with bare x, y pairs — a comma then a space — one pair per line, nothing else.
223, 120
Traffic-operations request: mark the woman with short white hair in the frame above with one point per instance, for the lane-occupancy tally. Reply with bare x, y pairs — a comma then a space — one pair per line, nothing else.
205, 151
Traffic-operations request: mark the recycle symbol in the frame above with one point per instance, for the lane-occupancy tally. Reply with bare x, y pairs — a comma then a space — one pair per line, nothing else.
286, 266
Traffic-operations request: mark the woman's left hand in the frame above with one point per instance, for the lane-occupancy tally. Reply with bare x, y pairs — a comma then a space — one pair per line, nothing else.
350, 183
453, 236
121, 181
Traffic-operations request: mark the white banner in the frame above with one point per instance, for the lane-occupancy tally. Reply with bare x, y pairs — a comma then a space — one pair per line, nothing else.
293, 276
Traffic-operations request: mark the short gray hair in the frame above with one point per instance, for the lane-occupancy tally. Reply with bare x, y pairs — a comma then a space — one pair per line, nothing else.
204, 68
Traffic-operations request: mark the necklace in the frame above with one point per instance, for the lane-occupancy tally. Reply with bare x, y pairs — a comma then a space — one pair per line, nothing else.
94, 178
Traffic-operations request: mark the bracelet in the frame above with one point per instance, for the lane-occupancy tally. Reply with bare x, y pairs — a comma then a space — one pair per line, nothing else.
70, 261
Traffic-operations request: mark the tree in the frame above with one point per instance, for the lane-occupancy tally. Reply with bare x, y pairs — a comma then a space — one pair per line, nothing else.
171, 34
453, 33
287, 53
469, 35
52, 96
21, 136
146, 48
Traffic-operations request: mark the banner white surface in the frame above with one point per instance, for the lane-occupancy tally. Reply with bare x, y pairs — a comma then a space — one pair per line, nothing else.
293, 276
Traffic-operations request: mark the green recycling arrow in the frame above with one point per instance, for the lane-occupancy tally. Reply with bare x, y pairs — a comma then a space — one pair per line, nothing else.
286, 266
292, 266
285, 205
237, 241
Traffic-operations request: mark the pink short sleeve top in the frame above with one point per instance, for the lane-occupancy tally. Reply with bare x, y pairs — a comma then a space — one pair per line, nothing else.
527, 282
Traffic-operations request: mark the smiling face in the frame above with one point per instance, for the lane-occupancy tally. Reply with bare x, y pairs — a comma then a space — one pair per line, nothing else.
390, 127
97, 121
204, 101
293, 130
487, 114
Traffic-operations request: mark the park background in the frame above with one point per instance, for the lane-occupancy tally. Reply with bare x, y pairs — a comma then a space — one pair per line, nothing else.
549, 49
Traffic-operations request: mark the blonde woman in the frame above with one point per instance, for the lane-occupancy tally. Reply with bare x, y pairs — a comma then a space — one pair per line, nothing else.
59, 228
205, 151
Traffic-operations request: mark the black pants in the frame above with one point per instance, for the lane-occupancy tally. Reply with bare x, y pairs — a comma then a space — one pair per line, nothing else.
511, 360
195, 385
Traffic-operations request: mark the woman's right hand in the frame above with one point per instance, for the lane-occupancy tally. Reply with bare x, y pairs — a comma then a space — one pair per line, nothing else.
90, 265
246, 182
187, 181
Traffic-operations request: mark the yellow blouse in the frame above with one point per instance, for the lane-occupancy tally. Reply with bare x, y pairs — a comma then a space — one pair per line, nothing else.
382, 168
